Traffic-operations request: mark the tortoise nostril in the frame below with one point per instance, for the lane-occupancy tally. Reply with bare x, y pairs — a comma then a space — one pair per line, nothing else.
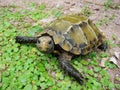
50, 42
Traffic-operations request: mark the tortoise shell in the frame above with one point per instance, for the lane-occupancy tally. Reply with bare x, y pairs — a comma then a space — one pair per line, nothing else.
75, 34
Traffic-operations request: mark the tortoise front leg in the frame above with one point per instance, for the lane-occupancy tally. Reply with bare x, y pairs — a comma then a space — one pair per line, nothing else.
71, 70
25, 39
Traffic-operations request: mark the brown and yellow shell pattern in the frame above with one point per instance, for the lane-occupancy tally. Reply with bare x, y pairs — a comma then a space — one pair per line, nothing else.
75, 34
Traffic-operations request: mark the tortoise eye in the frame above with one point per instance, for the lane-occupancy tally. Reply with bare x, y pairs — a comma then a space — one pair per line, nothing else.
50, 42
38, 41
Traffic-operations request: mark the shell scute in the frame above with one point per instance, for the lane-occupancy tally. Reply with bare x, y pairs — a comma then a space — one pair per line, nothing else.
58, 39
77, 35
66, 45
51, 32
76, 51
89, 32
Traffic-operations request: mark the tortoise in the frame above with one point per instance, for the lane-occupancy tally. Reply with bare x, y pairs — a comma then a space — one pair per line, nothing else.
68, 36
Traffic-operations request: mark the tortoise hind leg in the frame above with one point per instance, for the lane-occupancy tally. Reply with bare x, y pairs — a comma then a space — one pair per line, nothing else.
103, 46
25, 39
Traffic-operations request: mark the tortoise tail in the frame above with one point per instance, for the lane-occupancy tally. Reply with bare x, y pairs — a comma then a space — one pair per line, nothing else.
25, 39
72, 71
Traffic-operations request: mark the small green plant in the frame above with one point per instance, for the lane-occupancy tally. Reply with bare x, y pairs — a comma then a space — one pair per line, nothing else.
58, 14
112, 17
99, 23
107, 4
39, 13
104, 55
34, 30
110, 44
23, 67
113, 37
55, 13
42, 6
110, 4
117, 86
105, 20
110, 65
86, 11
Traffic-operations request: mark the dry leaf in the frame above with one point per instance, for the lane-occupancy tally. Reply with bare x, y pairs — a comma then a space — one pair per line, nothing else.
115, 61
102, 63
117, 55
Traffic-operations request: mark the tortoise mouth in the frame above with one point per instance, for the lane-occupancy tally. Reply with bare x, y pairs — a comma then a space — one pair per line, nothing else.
46, 50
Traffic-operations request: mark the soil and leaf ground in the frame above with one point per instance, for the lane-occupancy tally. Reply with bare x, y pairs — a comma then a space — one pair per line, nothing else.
23, 67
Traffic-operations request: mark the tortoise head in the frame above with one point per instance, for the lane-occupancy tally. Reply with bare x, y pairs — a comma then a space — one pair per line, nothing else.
45, 44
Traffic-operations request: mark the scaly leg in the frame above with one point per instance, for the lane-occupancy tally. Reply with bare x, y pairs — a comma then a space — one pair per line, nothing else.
71, 70
25, 39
